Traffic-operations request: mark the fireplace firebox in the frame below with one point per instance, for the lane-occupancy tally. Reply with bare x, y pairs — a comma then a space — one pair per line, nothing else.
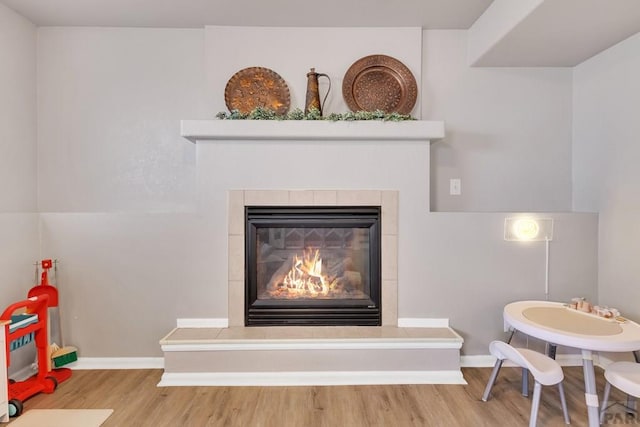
312, 266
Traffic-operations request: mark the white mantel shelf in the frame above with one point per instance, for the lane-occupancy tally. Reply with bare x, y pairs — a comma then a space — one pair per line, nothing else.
309, 130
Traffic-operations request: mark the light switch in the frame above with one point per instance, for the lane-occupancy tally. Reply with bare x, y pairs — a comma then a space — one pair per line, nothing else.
455, 188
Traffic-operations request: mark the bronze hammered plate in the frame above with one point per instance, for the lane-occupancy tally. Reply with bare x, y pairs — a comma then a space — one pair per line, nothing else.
379, 82
255, 87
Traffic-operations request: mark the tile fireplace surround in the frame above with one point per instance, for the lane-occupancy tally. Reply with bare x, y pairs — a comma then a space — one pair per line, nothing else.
386, 199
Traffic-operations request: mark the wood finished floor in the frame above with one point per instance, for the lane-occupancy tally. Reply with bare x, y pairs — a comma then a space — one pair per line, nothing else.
137, 401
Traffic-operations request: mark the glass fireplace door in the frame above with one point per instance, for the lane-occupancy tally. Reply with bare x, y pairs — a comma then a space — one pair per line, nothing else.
313, 266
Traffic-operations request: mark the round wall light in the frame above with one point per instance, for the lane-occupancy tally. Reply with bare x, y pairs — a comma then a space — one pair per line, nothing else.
525, 229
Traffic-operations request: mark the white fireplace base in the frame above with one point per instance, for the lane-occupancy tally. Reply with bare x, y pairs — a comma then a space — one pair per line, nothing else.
311, 356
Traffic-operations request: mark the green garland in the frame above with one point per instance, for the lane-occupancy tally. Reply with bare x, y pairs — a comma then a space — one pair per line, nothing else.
261, 113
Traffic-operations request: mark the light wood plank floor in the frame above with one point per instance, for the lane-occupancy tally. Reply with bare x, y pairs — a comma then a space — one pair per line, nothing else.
137, 401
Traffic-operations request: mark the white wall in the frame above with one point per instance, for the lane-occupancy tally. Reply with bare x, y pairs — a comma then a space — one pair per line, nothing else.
124, 278
109, 106
508, 135
291, 52
117, 182
17, 113
120, 200
18, 220
471, 272
606, 174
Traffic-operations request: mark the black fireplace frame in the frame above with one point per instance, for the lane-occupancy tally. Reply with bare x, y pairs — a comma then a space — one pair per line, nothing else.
313, 312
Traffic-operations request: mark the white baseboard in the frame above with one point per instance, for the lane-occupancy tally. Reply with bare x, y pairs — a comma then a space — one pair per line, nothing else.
487, 361
202, 323
85, 363
477, 361
309, 378
604, 359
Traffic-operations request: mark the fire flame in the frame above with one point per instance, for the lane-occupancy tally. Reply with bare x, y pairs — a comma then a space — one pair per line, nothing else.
305, 277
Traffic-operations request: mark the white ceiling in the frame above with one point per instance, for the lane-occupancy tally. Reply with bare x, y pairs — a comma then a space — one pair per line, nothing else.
279, 13
555, 33
560, 33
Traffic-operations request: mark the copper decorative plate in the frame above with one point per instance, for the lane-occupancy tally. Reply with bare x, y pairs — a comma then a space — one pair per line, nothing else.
255, 87
379, 82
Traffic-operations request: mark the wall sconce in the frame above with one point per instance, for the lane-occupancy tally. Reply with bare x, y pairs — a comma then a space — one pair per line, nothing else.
528, 229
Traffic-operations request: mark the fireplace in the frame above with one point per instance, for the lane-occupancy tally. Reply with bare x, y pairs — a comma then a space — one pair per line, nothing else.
314, 265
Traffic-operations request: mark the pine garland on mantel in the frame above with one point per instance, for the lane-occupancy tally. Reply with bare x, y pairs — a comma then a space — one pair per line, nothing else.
314, 114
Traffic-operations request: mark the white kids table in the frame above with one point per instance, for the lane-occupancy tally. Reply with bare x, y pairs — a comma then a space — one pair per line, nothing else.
558, 324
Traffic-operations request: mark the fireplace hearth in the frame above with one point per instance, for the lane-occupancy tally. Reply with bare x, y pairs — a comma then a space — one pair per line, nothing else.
312, 266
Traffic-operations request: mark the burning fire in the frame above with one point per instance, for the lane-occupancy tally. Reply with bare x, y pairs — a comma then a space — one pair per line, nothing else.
305, 277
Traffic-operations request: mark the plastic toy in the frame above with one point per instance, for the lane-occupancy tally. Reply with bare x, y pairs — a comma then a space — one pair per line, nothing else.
33, 325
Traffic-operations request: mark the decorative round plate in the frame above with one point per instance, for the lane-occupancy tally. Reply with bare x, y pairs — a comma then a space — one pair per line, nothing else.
379, 82
255, 87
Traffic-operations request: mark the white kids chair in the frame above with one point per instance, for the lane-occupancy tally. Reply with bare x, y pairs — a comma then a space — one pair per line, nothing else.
545, 371
625, 376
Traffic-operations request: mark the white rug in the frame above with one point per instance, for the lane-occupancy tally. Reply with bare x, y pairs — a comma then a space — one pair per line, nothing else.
61, 418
